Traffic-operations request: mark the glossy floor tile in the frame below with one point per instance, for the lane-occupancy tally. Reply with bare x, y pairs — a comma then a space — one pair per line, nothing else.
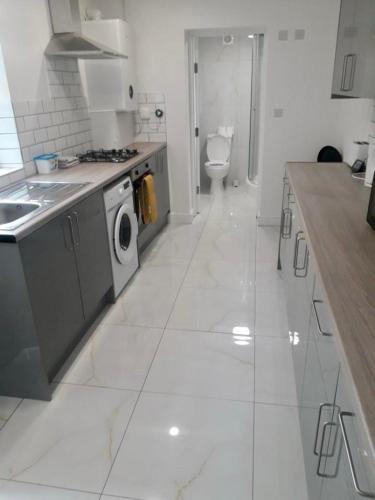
220, 274
204, 364
7, 407
12, 490
268, 278
190, 365
143, 305
217, 310
278, 456
274, 374
271, 314
117, 356
69, 442
185, 448
267, 244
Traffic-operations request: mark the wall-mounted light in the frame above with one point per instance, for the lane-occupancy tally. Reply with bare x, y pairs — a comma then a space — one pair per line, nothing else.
250, 36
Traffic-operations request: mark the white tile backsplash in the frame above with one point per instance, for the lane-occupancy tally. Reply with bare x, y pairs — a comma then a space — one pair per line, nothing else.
59, 124
153, 130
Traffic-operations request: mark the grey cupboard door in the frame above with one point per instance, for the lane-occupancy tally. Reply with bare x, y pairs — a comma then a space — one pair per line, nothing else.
92, 251
54, 290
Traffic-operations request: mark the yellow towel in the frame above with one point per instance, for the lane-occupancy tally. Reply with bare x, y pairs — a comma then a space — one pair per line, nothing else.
148, 203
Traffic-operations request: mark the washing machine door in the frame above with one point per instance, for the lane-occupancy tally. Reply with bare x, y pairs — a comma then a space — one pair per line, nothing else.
125, 234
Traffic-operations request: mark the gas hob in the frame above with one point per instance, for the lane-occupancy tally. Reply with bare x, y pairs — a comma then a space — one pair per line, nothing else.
108, 155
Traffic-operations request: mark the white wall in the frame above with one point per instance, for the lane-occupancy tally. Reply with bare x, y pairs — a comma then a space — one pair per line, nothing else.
111, 9
25, 31
225, 96
298, 76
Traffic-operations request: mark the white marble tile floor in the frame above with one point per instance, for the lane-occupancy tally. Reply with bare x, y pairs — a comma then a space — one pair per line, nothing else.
184, 387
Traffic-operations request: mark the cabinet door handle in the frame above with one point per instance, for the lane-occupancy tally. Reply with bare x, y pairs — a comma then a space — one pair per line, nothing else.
326, 426
77, 243
318, 450
71, 232
321, 331
304, 269
286, 215
353, 61
362, 493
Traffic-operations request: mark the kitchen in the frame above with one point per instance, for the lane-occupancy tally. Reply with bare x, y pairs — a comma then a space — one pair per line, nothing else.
183, 331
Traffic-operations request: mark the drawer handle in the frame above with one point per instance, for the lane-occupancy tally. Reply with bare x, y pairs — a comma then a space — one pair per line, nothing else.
366, 494
326, 426
321, 331
304, 269
286, 231
318, 452
77, 243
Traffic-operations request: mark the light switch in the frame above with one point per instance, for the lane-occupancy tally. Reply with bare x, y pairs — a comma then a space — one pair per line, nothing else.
283, 35
278, 113
299, 34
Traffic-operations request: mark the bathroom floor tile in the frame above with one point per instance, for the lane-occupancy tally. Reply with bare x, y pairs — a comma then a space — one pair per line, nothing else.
69, 442
278, 456
218, 310
274, 372
185, 448
117, 356
204, 364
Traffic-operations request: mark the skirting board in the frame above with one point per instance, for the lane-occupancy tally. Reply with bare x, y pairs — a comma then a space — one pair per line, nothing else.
268, 221
181, 218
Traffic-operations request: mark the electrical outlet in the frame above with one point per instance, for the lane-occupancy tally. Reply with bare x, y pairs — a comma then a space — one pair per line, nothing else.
283, 35
299, 34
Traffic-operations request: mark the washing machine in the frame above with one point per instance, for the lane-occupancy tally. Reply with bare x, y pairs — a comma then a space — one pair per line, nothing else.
122, 232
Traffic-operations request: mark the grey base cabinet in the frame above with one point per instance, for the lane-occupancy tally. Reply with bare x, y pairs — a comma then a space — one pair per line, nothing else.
60, 276
339, 461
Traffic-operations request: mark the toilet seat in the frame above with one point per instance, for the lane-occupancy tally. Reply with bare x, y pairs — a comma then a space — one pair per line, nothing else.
218, 149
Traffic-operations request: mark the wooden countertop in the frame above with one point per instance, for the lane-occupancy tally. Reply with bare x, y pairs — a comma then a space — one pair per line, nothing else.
97, 175
333, 207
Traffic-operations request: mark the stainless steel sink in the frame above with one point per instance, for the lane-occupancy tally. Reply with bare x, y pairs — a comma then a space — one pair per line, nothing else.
24, 200
13, 211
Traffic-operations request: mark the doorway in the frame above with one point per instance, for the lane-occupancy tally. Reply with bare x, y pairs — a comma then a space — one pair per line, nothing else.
224, 69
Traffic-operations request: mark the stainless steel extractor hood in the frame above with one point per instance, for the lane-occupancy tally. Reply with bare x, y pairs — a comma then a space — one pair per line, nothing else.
68, 40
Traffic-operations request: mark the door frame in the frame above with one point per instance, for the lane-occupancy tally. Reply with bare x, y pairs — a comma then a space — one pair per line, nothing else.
193, 84
192, 40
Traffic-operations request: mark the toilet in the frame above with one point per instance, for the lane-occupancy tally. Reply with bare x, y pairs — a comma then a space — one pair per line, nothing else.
218, 153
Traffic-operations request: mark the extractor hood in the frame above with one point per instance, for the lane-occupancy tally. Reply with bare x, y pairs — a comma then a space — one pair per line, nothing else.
68, 40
